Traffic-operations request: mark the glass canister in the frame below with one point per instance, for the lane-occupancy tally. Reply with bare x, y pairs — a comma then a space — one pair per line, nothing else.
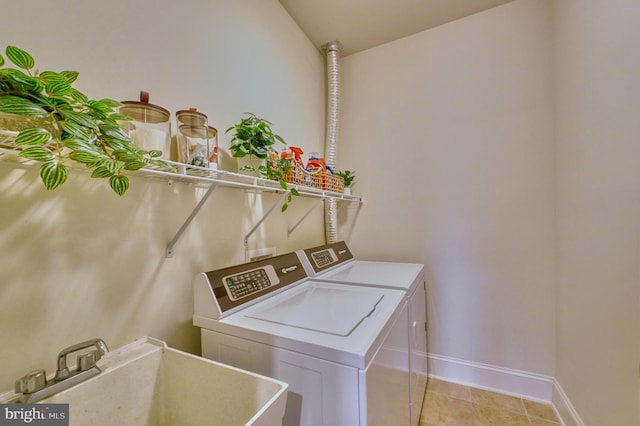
197, 141
151, 125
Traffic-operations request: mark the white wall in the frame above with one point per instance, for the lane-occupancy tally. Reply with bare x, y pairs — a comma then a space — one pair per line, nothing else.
597, 102
452, 133
80, 262
502, 151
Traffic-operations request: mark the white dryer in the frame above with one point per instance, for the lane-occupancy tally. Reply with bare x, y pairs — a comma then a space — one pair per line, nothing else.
324, 339
335, 263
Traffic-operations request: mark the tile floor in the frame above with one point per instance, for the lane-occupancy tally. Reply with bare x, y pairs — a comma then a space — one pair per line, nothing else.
450, 404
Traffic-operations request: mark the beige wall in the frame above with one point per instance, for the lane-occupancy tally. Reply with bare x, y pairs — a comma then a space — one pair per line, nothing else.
80, 262
598, 151
452, 132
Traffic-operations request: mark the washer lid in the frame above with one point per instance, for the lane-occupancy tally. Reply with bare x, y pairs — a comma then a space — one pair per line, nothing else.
324, 309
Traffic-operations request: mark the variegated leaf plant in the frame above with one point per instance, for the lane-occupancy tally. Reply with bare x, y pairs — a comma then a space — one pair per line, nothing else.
73, 126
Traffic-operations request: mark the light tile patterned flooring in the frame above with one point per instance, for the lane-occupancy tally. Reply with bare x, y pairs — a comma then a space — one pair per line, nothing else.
450, 404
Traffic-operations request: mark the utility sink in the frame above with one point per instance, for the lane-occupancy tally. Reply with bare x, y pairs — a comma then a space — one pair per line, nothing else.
148, 383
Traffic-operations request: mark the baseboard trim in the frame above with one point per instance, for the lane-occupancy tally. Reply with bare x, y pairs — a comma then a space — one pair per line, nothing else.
564, 409
531, 386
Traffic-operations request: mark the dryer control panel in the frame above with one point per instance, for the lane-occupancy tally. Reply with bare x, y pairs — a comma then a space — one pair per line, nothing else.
322, 258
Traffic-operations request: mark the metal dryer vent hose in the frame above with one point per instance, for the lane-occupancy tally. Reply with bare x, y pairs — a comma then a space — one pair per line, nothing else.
332, 50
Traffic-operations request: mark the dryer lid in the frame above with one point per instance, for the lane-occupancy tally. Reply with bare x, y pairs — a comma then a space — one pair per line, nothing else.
323, 309
385, 274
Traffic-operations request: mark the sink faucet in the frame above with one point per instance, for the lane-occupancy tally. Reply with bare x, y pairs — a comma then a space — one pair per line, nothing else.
88, 360
34, 385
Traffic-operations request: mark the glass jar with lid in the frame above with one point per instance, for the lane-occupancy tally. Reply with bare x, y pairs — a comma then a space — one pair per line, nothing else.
150, 128
197, 142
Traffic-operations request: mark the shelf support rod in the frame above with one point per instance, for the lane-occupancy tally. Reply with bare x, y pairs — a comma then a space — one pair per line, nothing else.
313, 207
266, 215
187, 222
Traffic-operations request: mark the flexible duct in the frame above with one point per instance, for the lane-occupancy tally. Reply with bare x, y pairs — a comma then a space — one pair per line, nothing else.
332, 50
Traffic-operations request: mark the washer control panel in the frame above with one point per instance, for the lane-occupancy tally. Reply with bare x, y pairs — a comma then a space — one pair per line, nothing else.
249, 282
244, 284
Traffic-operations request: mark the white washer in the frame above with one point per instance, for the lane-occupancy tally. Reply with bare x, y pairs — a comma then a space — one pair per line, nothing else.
325, 340
335, 263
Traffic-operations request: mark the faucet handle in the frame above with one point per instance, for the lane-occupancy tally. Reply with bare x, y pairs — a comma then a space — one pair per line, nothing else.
87, 360
31, 382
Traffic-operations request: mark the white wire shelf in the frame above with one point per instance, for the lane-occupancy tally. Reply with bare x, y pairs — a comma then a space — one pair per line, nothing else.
203, 177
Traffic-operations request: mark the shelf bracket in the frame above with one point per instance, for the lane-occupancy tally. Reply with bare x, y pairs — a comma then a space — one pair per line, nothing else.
187, 222
266, 215
313, 207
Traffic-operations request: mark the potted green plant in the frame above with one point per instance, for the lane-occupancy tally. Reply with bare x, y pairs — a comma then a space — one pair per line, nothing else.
253, 139
56, 124
348, 177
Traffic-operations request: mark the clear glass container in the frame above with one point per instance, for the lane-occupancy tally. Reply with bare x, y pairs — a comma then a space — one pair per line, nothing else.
200, 145
197, 142
151, 125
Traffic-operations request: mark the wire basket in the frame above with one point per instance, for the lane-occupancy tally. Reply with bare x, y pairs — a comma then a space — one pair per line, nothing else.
316, 178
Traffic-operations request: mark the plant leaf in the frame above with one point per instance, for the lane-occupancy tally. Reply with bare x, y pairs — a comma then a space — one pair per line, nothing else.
127, 155
78, 96
19, 76
1, 60
119, 184
119, 117
37, 153
80, 118
101, 172
79, 144
58, 88
20, 57
33, 136
113, 166
110, 103
164, 164
294, 191
285, 206
99, 106
116, 145
53, 175
115, 132
21, 106
70, 76
74, 129
86, 157
51, 77
134, 165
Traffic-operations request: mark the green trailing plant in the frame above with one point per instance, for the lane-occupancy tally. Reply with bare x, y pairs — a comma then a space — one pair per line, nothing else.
348, 177
278, 169
72, 127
